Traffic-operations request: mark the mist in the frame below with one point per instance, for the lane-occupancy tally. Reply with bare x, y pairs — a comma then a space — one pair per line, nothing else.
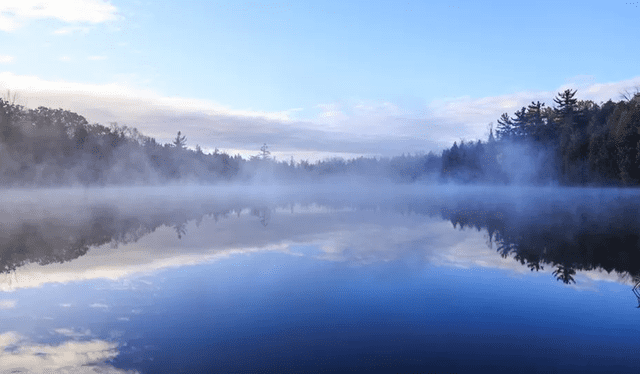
577, 143
47, 226
287, 244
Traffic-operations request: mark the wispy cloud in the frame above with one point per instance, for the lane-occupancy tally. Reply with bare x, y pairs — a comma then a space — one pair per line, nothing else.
14, 14
213, 125
348, 128
71, 30
71, 333
6, 59
470, 116
8, 23
7, 304
99, 306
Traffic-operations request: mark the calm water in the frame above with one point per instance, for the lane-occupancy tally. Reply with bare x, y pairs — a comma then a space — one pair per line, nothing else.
324, 279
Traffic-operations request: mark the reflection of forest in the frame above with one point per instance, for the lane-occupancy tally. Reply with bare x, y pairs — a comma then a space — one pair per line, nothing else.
580, 238
568, 234
60, 239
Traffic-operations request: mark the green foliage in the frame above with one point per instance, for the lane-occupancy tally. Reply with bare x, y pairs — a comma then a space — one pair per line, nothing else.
46, 146
577, 142
180, 142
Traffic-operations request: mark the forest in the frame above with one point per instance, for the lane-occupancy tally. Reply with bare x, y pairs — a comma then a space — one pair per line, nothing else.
576, 142
573, 143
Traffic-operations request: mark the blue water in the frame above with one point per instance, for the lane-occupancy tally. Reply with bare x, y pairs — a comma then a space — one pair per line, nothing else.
280, 305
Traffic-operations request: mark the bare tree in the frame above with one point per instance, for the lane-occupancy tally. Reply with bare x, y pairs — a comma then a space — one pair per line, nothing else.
11, 98
629, 95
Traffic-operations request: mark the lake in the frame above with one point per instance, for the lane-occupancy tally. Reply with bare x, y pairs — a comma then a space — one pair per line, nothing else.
319, 278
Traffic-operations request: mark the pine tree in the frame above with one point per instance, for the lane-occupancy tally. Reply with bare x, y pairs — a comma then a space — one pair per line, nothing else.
180, 141
505, 129
264, 153
567, 107
536, 121
521, 124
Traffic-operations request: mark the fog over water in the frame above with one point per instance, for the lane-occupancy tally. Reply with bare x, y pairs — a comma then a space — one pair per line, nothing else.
104, 260
56, 225
246, 187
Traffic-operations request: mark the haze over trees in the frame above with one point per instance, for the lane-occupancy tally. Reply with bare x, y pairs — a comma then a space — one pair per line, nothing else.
575, 142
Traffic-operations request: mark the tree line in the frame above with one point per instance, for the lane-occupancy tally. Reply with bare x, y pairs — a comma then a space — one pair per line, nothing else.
576, 142
46, 146
56, 147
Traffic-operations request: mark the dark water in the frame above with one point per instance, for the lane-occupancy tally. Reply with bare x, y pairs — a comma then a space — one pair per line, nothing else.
325, 279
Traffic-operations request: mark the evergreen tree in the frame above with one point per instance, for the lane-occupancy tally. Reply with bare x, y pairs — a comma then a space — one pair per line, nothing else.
264, 153
536, 121
180, 141
565, 115
567, 106
505, 129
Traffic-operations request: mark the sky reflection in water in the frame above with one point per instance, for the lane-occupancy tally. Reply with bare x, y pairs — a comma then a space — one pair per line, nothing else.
228, 282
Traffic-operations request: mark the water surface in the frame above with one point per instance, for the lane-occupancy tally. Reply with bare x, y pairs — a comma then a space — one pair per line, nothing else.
323, 279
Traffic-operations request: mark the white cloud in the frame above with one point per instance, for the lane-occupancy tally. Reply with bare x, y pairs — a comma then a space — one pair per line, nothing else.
71, 333
72, 29
100, 306
14, 14
17, 355
347, 128
331, 113
131, 102
205, 122
7, 23
7, 304
340, 129
6, 59
8, 339
472, 115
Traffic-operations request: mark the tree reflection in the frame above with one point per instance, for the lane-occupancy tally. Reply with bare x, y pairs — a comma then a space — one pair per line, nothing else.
181, 229
61, 239
565, 238
565, 273
636, 289
263, 213
581, 237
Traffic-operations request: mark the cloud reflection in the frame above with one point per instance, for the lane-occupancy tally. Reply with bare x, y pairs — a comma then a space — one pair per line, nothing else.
455, 226
18, 355
7, 304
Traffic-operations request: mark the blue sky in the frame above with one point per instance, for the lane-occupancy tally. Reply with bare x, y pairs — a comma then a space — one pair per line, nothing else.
313, 79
